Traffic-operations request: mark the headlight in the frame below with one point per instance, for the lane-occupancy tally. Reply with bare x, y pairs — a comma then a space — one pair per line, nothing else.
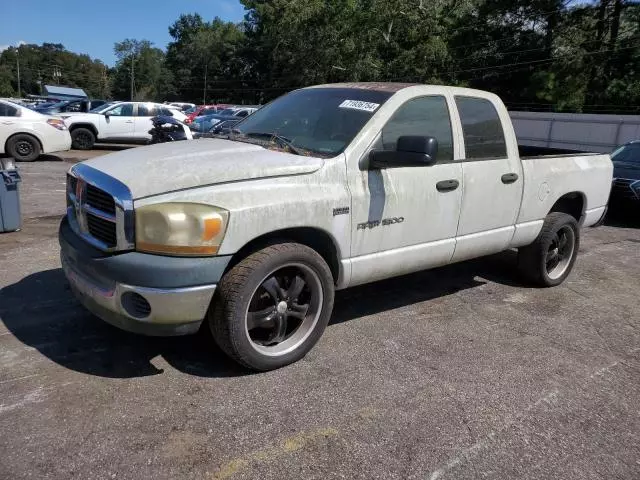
180, 228
56, 123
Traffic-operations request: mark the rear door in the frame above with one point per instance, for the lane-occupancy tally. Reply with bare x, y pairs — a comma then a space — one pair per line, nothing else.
117, 122
142, 120
9, 120
492, 179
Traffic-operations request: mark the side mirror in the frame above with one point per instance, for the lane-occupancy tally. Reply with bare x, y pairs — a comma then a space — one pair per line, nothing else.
411, 151
106, 114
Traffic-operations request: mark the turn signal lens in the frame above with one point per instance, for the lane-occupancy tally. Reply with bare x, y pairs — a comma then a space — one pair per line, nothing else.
56, 123
180, 229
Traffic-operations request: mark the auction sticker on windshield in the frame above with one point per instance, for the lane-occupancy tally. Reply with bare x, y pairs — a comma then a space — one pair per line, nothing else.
359, 105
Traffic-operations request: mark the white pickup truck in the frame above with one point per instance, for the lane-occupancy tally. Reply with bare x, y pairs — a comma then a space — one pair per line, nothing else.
324, 188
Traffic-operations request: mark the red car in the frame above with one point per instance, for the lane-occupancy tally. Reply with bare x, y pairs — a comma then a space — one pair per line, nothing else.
203, 110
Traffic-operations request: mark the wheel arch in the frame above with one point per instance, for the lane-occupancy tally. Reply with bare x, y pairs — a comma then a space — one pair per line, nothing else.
88, 126
315, 238
31, 134
572, 203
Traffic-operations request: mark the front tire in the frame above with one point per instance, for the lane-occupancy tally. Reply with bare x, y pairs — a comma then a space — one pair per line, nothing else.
271, 308
24, 147
82, 139
548, 261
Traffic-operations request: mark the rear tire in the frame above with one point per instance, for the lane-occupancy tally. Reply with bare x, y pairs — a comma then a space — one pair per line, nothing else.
548, 261
23, 147
82, 138
271, 308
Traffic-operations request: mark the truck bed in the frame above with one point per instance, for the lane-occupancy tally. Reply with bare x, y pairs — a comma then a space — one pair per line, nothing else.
529, 151
583, 176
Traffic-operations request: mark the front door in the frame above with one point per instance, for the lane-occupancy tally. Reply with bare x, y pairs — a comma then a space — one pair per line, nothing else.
405, 219
492, 181
117, 122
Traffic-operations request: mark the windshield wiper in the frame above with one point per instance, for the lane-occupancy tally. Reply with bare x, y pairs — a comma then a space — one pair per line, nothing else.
279, 138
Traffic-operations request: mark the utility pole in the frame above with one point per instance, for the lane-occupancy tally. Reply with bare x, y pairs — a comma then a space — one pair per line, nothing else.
18, 68
104, 82
204, 94
57, 74
132, 74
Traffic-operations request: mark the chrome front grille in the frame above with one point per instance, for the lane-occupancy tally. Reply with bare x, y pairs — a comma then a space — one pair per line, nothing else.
100, 209
103, 230
100, 200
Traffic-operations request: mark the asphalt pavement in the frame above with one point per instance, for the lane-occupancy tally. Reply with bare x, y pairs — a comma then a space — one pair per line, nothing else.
462, 372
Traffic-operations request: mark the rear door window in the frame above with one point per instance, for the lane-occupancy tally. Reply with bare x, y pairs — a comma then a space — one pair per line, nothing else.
146, 110
8, 111
481, 128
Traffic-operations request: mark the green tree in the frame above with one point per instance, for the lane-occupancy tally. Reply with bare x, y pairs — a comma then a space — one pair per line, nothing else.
205, 58
140, 72
51, 64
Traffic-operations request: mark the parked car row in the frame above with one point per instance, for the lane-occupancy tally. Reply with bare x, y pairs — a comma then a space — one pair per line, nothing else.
80, 123
117, 122
71, 106
202, 110
205, 123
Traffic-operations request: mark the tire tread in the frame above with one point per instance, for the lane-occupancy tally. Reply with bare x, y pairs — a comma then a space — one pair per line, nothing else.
11, 145
531, 256
229, 297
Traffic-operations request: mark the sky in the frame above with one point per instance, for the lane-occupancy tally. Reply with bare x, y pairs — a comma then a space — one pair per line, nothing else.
92, 27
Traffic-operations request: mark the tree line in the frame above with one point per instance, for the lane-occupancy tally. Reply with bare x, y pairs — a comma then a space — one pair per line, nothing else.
561, 55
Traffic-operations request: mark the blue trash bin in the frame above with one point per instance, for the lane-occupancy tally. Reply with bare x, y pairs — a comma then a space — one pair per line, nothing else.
10, 215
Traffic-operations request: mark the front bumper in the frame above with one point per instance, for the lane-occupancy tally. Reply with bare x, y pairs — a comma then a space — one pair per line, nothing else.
141, 293
59, 141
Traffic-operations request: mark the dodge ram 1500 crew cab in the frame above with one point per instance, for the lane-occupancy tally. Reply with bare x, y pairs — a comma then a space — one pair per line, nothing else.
324, 188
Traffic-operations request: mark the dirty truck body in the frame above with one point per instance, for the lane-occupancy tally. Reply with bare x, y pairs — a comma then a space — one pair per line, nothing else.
325, 188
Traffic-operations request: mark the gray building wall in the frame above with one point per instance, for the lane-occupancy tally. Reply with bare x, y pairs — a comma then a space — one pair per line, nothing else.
575, 131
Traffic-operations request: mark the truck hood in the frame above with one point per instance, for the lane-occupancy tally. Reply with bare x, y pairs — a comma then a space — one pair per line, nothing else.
167, 167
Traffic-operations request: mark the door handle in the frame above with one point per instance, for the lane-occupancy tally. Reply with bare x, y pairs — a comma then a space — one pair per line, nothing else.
509, 177
447, 185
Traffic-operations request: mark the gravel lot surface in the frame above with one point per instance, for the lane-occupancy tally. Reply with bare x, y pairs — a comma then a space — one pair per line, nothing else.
457, 373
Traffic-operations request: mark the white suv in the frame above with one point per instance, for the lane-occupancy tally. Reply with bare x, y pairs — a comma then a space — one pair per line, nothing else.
122, 122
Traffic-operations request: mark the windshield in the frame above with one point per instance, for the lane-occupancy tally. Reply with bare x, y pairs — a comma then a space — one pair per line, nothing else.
320, 120
102, 107
627, 153
191, 110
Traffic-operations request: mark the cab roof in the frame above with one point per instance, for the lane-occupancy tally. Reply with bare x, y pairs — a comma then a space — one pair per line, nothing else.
390, 87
